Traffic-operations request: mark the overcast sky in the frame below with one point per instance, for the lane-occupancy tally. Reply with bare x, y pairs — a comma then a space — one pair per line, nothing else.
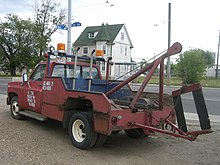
194, 23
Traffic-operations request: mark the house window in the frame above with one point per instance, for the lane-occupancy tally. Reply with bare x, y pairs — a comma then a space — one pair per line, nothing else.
122, 36
92, 35
85, 50
125, 51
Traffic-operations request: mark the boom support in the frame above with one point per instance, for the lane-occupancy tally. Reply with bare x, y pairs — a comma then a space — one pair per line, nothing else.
174, 49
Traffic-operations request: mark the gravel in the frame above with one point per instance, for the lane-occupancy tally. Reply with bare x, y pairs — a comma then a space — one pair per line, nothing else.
32, 142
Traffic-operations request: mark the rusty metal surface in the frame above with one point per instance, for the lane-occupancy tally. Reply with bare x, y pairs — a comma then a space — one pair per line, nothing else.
186, 89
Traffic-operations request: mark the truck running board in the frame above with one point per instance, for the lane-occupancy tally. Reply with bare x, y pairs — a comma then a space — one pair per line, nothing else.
34, 115
200, 105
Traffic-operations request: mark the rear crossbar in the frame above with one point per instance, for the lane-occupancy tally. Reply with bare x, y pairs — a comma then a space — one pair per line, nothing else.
181, 130
191, 136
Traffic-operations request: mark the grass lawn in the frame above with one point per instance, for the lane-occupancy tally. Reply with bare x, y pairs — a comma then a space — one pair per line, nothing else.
206, 82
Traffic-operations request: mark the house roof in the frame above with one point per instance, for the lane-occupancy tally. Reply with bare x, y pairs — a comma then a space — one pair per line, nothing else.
105, 33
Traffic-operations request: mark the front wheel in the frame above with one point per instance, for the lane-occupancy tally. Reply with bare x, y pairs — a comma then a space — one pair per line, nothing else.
14, 107
81, 130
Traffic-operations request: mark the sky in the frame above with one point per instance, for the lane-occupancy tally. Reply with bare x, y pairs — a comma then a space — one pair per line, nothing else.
194, 23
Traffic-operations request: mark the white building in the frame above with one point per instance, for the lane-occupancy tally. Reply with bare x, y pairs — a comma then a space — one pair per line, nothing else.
113, 40
211, 72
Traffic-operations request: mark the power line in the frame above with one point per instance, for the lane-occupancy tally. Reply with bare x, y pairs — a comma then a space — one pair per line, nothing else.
94, 6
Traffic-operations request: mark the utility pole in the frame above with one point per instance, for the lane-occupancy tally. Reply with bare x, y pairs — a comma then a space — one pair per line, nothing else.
216, 72
69, 28
169, 36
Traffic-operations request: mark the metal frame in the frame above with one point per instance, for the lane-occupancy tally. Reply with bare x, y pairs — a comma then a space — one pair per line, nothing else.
191, 136
174, 49
176, 131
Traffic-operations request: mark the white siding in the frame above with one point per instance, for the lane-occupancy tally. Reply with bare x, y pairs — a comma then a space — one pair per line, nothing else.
121, 49
91, 48
119, 55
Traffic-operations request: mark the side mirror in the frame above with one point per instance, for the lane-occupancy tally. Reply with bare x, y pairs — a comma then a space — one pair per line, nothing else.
25, 77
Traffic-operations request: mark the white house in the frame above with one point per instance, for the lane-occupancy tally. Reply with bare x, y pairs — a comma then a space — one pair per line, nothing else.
113, 40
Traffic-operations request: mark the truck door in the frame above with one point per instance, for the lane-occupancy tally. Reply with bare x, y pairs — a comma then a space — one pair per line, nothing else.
32, 93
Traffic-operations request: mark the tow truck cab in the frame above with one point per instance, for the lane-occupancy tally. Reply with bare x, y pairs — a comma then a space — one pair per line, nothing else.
24, 91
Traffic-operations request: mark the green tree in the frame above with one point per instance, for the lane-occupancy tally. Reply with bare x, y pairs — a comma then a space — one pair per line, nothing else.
209, 58
191, 66
21, 41
17, 44
143, 63
47, 16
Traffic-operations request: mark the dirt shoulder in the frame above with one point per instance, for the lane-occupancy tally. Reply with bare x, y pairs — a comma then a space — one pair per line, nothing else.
33, 142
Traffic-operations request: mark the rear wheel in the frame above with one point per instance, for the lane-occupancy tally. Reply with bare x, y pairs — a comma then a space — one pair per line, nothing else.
81, 130
135, 133
14, 107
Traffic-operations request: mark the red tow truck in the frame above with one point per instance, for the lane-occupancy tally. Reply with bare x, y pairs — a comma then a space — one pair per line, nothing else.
93, 108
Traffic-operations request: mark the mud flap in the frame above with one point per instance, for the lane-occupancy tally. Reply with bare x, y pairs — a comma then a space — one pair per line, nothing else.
179, 113
201, 108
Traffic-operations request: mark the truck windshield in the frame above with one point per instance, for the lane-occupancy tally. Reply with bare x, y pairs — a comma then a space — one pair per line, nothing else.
61, 70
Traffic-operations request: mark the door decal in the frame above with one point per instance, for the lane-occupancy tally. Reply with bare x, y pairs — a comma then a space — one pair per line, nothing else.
47, 85
31, 98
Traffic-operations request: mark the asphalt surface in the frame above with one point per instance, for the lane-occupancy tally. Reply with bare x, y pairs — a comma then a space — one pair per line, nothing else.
3, 85
211, 95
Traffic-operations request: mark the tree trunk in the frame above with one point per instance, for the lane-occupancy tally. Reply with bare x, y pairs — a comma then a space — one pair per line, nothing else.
13, 71
41, 52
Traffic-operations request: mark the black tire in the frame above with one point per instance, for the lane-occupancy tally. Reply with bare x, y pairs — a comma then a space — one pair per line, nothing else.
135, 133
101, 139
115, 132
14, 107
81, 130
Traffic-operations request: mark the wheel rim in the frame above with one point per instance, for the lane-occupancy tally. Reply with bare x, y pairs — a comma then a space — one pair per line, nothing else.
78, 130
15, 108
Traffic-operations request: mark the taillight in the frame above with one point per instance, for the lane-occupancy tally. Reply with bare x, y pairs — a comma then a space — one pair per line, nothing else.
114, 120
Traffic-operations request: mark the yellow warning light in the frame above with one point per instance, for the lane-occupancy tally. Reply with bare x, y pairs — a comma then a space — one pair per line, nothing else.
99, 52
60, 46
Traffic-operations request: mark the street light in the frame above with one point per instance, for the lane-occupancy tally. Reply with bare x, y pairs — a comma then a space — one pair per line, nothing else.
69, 27
216, 72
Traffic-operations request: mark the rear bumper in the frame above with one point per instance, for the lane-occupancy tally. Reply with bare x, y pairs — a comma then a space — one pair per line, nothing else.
121, 119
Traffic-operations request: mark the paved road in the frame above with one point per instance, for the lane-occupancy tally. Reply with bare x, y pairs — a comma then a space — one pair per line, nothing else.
3, 85
212, 96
